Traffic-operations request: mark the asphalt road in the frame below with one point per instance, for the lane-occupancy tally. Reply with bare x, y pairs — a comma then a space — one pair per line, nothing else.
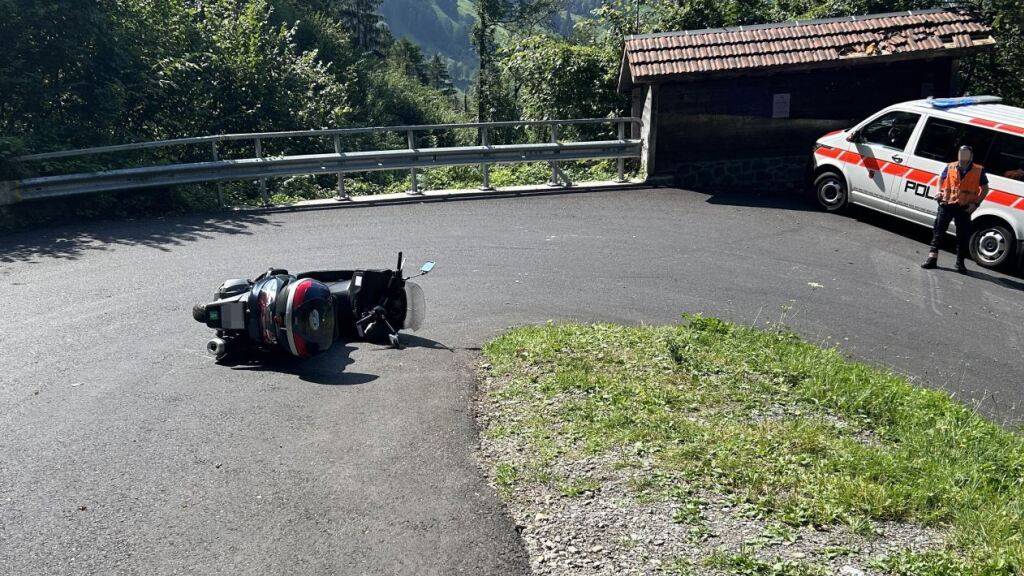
125, 450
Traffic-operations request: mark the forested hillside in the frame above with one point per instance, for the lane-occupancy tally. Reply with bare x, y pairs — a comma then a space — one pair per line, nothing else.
438, 27
80, 73
445, 27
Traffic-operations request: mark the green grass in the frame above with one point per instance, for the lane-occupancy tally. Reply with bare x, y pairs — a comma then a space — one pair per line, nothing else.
799, 433
746, 564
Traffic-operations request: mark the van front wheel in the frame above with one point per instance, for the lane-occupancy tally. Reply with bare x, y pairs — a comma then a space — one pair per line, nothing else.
992, 244
830, 189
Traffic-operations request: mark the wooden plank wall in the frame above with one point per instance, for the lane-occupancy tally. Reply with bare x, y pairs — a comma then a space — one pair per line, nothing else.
732, 118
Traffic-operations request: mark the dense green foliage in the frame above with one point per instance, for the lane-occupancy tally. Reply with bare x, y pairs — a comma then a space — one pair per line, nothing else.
787, 430
113, 71
85, 73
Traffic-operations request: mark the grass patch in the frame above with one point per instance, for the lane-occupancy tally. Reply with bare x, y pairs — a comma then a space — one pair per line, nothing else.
745, 564
799, 434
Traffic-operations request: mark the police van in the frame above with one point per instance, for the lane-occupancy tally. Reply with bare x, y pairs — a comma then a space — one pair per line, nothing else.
891, 162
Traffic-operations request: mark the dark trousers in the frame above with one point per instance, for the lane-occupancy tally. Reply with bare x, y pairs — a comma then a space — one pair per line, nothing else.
959, 215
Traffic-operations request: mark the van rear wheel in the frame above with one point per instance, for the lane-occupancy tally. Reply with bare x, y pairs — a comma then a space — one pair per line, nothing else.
830, 188
992, 244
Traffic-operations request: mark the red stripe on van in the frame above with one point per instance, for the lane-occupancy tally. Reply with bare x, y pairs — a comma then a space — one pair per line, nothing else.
998, 125
873, 163
829, 152
920, 176
1019, 205
1004, 198
850, 157
895, 169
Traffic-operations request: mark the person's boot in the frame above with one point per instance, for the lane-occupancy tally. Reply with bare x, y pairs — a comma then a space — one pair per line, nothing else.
931, 263
961, 267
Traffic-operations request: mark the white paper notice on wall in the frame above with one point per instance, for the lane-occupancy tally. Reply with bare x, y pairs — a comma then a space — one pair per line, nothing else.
780, 105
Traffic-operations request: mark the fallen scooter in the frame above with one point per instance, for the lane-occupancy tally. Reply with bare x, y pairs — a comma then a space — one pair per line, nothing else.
302, 315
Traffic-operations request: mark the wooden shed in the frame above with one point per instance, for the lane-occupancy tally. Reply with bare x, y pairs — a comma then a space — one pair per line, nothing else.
735, 107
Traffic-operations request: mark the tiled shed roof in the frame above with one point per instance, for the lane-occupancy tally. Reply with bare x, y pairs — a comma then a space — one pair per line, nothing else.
673, 55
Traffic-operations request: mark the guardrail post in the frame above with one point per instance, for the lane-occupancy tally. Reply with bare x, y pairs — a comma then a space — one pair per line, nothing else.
342, 195
415, 188
620, 163
220, 186
263, 181
9, 193
485, 168
554, 163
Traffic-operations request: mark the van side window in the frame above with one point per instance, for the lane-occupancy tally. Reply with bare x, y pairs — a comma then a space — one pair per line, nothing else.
941, 139
1007, 157
892, 130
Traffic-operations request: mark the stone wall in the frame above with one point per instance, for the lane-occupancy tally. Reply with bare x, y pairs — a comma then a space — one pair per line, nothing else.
762, 175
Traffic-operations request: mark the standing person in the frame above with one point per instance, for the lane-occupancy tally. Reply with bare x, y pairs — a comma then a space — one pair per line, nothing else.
963, 185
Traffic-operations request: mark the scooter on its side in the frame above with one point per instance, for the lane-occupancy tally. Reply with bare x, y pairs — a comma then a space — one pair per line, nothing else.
302, 315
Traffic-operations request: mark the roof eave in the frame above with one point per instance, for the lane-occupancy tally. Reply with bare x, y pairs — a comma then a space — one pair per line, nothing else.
625, 75
842, 62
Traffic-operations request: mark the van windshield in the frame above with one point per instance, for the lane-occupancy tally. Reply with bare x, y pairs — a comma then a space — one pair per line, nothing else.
892, 130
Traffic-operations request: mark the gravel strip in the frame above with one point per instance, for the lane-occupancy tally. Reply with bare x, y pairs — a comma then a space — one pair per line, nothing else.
612, 526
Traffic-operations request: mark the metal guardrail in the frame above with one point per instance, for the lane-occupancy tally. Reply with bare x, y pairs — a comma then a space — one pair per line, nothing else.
260, 167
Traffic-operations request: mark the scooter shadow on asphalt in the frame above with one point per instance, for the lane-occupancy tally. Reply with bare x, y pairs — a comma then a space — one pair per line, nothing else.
414, 341
327, 369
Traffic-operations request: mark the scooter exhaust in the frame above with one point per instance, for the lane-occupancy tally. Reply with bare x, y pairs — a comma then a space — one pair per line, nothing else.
217, 348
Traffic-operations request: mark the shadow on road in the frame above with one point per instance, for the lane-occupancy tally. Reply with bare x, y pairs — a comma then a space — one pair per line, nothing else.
72, 241
1004, 277
775, 200
414, 341
327, 369
1003, 281
889, 223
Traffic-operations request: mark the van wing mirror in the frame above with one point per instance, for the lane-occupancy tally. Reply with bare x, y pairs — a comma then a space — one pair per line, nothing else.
853, 136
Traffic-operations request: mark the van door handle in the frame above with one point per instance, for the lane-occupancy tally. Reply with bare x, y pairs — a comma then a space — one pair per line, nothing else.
897, 159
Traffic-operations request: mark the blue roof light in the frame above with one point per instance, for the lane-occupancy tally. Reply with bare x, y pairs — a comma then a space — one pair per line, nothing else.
963, 101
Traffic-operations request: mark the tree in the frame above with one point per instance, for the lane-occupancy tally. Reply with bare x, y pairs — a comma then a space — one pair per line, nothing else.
438, 76
584, 86
408, 58
490, 14
366, 26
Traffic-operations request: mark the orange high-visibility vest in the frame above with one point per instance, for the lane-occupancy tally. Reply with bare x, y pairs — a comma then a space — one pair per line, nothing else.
963, 191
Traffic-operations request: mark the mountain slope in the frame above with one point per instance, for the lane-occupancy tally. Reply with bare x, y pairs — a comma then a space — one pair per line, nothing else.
444, 27
438, 27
